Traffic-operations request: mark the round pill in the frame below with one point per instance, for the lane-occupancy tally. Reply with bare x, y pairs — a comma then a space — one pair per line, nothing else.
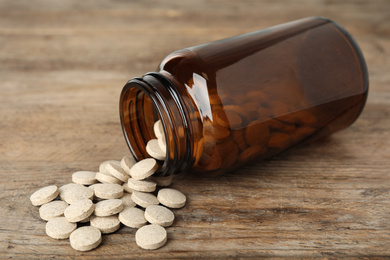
73, 192
52, 209
107, 208
84, 177
109, 191
127, 163
59, 228
158, 129
132, 217
171, 198
154, 150
106, 225
85, 238
159, 215
79, 210
44, 195
163, 181
143, 169
106, 177
117, 172
151, 237
102, 166
142, 185
144, 199
127, 201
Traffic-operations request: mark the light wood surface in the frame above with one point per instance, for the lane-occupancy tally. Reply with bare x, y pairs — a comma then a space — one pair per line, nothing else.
62, 67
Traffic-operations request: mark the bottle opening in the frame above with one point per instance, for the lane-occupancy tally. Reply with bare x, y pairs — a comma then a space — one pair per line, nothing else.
144, 101
139, 113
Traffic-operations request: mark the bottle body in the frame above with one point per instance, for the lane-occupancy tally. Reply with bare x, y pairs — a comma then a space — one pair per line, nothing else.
255, 95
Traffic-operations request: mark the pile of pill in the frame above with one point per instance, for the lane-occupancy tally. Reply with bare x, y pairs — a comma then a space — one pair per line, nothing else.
121, 192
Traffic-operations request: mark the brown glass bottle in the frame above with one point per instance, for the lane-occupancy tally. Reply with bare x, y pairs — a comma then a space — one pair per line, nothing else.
227, 102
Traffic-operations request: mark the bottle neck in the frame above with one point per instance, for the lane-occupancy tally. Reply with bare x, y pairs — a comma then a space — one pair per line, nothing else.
146, 100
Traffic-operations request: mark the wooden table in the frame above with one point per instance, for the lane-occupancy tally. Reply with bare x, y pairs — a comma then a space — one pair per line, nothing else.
63, 65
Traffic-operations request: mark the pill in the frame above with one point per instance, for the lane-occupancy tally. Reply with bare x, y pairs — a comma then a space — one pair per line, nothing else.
109, 207
59, 228
143, 169
109, 191
159, 215
127, 163
151, 237
52, 209
105, 177
44, 195
79, 210
142, 185
171, 198
106, 225
127, 200
144, 199
73, 192
154, 150
162, 181
158, 129
132, 217
84, 177
102, 166
127, 188
117, 172
85, 238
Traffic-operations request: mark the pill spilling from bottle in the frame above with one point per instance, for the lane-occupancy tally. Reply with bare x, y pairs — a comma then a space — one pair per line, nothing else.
122, 192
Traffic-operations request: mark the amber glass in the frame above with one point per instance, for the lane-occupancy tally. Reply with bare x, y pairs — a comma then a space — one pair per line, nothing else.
248, 97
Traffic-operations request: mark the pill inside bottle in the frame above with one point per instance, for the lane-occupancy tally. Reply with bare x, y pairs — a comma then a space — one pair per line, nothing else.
248, 97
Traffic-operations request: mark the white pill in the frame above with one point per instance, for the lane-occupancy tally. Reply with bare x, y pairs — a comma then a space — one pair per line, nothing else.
154, 150
79, 210
158, 129
85, 238
143, 169
127, 188
102, 167
132, 217
73, 192
127, 163
44, 195
159, 215
106, 177
84, 177
117, 172
59, 228
151, 237
144, 199
142, 185
109, 191
106, 225
52, 209
163, 181
107, 208
162, 143
127, 201
171, 198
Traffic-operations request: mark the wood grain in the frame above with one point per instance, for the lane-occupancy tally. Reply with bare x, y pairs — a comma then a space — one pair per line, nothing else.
63, 64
